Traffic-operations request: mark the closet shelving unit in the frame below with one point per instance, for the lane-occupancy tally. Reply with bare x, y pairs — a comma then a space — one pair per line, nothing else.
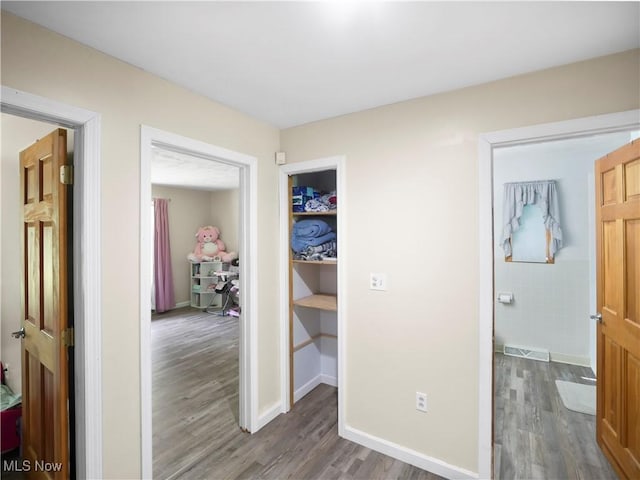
312, 302
322, 301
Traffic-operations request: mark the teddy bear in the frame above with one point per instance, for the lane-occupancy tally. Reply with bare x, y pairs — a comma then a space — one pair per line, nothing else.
209, 247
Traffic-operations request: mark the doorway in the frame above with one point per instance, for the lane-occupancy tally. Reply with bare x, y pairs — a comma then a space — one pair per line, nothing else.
195, 335
24, 142
247, 206
544, 339
87, 300
487, 145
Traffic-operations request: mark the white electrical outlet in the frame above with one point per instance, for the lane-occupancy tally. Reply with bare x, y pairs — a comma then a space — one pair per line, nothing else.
421, 401
378, 281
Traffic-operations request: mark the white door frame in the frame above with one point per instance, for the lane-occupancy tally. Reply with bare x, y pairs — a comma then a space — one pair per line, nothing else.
87, 273
329, 163
486, 143
248, 344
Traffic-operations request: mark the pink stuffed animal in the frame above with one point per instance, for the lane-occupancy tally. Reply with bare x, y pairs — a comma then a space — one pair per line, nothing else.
210, 247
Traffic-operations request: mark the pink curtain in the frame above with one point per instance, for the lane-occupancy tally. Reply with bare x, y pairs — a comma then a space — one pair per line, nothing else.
162, 273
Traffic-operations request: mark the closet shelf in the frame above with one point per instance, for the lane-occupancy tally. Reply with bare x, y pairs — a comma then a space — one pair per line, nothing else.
317, 262
321, 301
312, 339
315, 214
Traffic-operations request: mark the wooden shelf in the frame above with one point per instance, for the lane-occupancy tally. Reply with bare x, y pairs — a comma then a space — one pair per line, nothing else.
317, 262
330, 212
310, 340
321, 301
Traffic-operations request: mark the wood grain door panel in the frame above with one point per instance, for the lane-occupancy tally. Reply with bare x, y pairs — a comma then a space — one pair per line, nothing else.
44, 308
618, 290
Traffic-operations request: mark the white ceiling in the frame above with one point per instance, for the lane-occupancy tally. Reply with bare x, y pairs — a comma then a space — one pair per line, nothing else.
186, 171
290, 63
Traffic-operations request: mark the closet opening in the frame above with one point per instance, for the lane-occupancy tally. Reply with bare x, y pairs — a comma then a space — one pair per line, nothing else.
312, 226
313, 282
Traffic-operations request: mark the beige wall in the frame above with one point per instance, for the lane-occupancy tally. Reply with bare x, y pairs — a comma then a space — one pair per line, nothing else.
412, 171
127, 97
225, 214
17, 134
188, 210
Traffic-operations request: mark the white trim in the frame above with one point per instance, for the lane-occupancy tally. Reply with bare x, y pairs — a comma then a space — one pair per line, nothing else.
580, 360
248, 345
270, 414
306, 388
407, 455
86, 266
186, 303
486, 143
485, 291
313, 383
328, 380
336, 163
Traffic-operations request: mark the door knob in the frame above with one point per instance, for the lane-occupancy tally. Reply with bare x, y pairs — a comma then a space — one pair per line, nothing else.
19, 334
597, 317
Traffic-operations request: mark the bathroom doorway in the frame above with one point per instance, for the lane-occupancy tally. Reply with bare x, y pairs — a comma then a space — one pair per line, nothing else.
543, 335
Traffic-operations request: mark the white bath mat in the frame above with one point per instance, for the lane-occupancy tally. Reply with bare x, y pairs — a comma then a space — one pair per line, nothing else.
578, 397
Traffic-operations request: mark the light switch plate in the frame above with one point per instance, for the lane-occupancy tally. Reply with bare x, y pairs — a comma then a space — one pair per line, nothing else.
378, 281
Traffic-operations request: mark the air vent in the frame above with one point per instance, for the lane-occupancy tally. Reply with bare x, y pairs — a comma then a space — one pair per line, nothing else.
527, 352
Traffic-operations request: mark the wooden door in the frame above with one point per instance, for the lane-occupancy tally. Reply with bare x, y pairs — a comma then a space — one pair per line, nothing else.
618, 337
45, 421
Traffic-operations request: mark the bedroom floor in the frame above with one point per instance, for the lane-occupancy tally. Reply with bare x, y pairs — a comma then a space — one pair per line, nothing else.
195, 416
535, 435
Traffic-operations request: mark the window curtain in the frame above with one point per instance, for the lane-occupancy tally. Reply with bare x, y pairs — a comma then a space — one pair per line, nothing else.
516, 196
162, 272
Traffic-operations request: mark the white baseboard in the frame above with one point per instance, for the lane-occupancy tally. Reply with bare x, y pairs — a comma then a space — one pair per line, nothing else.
313, 383
271, 413
329, 380
571, 359
306, 388
183, 304
407, 455
558, 357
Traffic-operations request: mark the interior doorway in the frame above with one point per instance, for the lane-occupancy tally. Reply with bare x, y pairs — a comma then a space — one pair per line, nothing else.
195, 335
25, 140
544, 340
247, 281
488, 143
86, 300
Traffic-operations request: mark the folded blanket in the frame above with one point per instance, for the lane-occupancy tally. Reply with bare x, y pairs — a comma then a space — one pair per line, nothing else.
298, 244
325, 247
312, 227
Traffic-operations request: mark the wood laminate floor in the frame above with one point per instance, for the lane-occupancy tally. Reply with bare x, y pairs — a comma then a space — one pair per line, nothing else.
535, 435
195, 416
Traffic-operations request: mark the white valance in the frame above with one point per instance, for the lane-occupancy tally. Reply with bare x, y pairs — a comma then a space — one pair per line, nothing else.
516, 196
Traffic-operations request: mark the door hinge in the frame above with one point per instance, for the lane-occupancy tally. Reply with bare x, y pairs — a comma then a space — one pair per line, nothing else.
68, 337
66, 174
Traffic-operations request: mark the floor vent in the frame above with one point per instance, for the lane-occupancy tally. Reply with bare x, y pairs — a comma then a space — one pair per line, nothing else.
525, 352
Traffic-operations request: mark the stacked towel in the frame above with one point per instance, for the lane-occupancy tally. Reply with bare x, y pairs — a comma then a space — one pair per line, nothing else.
310, 233
321, 203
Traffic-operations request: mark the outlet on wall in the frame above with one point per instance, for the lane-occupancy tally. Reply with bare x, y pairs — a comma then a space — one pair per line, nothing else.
421, 401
